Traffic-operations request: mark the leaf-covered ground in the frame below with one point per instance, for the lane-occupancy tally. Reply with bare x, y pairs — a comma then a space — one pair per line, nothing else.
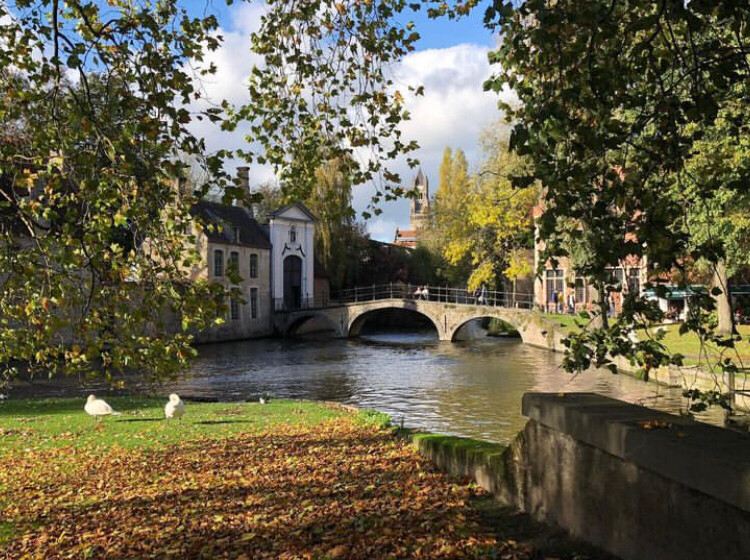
286, 480
335, 487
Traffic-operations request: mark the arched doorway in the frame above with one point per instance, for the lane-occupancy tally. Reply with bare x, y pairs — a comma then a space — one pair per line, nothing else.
292, 282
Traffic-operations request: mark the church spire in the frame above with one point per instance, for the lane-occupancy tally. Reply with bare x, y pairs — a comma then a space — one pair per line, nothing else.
420, 181
420, 203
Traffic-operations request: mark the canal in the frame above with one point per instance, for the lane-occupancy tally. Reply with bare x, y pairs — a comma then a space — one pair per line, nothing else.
471, 388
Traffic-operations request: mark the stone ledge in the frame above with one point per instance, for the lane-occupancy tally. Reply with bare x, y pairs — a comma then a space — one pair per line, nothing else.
711, 460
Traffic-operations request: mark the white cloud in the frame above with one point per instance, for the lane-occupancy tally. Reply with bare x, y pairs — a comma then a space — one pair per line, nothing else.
383, 228
234, 62
452, 112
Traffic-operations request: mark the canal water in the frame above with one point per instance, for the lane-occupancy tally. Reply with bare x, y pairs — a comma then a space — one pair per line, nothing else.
470, 388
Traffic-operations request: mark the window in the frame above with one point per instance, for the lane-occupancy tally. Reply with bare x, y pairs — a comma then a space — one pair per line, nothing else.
555, 283
234, 309
234, 261
293, 234
616, 277
218, 263
634, 281
580, 290
253, 266
236, 234
253, 303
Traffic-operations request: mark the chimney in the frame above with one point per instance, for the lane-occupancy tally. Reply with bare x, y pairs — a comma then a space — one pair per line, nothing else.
243, 181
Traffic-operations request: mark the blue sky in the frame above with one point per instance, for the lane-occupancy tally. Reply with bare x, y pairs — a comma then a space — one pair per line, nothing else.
450, 61
441, 33
436, 33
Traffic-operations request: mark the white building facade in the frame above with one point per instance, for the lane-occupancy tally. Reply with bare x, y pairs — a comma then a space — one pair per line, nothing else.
292, 237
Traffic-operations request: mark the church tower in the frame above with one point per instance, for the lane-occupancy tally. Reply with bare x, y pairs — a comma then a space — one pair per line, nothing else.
420, 204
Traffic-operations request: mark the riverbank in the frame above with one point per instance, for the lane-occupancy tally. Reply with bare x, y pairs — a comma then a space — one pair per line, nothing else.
288, 479
692, 375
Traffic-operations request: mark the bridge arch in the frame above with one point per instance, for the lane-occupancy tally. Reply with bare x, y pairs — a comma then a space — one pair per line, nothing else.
463, 322
358, 319
299, 319
534, 328
488, 313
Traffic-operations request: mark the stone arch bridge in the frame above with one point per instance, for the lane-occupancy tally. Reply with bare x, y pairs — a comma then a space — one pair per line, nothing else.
447, 311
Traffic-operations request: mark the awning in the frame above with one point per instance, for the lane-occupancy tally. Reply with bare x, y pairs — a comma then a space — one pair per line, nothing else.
673, 292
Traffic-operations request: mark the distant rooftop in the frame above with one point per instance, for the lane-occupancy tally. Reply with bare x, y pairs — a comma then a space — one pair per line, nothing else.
231, 219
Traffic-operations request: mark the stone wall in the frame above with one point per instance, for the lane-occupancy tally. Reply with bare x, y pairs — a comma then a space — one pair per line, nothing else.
245, 326
638, 483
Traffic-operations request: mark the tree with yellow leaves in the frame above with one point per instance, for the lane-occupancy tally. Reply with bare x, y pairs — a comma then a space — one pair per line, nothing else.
449, 215
482, 220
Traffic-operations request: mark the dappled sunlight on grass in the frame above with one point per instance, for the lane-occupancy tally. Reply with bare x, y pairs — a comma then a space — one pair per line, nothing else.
341, 487
40, 424
689, 345
288, 479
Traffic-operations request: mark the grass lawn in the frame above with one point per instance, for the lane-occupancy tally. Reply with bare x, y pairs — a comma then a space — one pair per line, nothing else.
564, 321
39, 425
282, 480
689, 346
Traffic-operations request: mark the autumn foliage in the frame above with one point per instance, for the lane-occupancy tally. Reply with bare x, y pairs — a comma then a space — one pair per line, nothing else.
340, 489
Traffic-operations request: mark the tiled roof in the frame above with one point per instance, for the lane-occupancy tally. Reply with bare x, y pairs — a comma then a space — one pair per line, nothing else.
231, 218
406, 238
304, 209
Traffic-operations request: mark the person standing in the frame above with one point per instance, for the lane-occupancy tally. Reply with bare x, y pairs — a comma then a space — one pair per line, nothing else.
572, 303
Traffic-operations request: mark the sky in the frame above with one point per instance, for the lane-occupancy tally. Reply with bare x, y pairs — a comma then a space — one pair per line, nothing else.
450, 62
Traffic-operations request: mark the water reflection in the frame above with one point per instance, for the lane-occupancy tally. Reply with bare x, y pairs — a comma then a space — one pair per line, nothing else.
470, 388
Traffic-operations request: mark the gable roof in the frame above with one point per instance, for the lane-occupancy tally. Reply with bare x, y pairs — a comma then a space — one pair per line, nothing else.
252, 233
301, 207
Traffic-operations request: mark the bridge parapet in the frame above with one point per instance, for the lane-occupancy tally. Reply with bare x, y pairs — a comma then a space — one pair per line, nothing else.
444, 294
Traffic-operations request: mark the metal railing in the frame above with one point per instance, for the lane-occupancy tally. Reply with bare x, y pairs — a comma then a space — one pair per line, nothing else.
445, 294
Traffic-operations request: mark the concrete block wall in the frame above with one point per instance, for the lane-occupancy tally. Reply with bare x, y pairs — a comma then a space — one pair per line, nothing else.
636, 482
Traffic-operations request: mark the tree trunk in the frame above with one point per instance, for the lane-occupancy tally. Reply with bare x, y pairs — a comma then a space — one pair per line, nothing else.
600, 301
723, 300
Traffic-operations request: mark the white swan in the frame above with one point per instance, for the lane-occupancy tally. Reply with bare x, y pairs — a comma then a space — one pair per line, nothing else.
175, 408
98, 408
